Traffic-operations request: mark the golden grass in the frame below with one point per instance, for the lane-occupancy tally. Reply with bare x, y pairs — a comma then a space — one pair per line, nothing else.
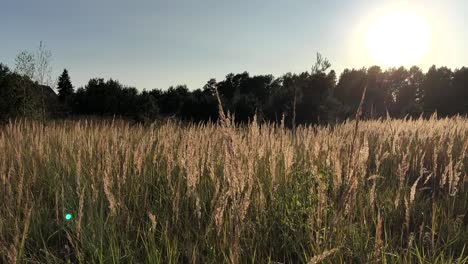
223, 193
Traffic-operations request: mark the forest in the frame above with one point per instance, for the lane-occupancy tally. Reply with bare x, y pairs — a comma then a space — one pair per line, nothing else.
317, 96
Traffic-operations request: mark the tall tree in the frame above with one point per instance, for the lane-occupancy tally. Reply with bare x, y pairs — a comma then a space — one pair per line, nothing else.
460, 91
25, 65
312, 93
43, 67
408, 98
349, 90
64, 86
43, 71
25, 68
34, 69
437, 87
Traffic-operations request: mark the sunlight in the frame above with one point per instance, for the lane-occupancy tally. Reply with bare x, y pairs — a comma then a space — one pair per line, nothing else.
397, 37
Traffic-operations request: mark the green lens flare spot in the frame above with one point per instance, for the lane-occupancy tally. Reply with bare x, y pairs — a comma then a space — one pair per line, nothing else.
68, 217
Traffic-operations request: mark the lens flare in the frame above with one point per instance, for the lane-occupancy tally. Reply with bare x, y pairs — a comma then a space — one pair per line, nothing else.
68, 217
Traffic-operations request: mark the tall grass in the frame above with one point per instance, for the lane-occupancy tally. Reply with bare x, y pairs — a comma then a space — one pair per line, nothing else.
227, 194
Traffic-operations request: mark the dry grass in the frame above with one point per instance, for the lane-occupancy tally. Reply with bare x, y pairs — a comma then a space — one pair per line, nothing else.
386, 191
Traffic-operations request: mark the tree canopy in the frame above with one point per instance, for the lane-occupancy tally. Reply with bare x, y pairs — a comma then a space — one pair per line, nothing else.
312, 97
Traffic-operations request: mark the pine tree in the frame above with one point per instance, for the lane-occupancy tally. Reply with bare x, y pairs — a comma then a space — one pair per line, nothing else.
65, 87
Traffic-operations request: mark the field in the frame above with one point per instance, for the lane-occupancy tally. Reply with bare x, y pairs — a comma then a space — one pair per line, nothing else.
384, 191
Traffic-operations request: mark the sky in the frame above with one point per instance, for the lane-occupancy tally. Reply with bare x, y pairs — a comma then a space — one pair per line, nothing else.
151, 44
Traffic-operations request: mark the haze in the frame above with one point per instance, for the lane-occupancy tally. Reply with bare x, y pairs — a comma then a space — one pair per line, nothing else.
155, 44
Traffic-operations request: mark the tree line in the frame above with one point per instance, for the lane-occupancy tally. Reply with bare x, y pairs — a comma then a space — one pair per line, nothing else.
311, 97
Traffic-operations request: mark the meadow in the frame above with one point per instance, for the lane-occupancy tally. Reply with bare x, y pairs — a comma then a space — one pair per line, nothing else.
382, 191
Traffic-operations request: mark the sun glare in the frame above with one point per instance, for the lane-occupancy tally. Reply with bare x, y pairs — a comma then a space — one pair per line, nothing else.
397, 38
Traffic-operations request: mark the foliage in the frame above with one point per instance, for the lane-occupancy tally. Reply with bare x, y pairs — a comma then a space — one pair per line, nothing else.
312, 97
110, 98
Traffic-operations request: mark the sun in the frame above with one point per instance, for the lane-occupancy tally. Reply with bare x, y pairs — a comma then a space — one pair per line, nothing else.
397, 38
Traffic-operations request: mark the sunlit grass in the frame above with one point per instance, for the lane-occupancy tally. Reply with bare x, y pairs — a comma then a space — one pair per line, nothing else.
170, 193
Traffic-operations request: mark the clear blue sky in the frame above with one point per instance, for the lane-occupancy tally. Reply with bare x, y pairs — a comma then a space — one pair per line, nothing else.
155, 44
